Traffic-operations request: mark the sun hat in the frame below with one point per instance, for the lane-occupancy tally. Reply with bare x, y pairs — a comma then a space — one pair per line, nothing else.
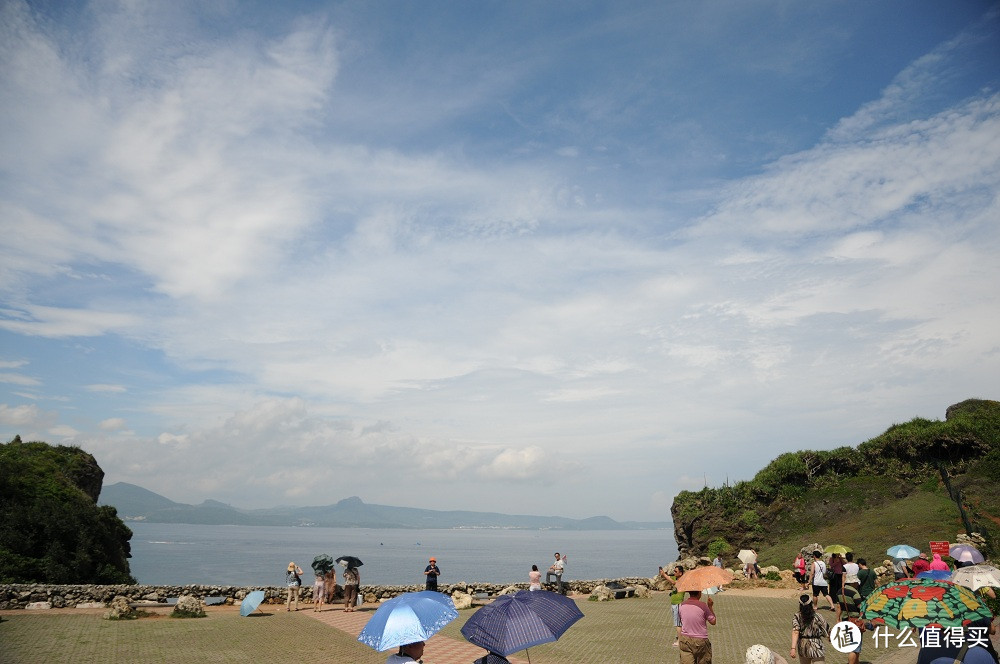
758, 654
433, 560
804, 599
291, 566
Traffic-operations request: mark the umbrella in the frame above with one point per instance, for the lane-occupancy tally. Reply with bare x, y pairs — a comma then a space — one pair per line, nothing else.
902, 551
746, 556
839, 548
408, 618
322, 564
701, 578
958, 550
936, 574
349, 561
520, 621
975, 577
251, 602
922, 602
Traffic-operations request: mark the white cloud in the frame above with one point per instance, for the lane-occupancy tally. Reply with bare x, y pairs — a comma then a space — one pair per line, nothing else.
19, 379
112, 424
63, 431
21, 416
105, 388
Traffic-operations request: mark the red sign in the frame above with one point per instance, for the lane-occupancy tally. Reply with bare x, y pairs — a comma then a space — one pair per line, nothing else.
940, 548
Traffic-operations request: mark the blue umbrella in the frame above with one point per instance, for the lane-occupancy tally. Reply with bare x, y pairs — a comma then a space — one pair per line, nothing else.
936, 574
251, 602
903, 551
408, 618
520, 621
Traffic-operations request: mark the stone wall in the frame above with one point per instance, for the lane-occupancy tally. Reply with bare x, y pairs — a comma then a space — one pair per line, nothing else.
19, 596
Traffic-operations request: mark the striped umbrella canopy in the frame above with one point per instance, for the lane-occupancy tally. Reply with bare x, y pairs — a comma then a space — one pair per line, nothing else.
520, 621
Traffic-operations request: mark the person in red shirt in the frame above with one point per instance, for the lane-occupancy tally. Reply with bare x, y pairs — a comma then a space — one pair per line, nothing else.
921, 564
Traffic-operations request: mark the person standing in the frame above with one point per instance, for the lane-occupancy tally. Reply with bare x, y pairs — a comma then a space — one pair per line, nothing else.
676, 598
717, 561
696, 616
899, 568
800, 571
866, 578
921, 564
809, 629
836, 580
352, 579
330, 586
556, 569
293, 579
820, 586
939, 565
534, 578
432, 571
319, 590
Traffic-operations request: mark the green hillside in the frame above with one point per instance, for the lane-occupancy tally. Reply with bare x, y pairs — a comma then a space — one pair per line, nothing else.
919, 481
51, 529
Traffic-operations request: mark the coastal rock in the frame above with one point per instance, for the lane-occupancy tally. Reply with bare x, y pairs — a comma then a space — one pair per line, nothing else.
188, 607
461, 600
38, 606
643, 591
90, 605
509, 590
601, 594
120, 609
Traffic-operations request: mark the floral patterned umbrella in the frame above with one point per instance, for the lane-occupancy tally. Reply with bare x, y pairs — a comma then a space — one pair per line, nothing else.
923, 602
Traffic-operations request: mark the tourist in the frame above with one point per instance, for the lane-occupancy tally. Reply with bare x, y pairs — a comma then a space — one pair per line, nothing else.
866, 578
750, 568
964, 560
817, 575
717, 562
800, 571
921, 564
352, 579
939, 565
850, 602
696, 616
319, 590
900, 569
534, 578
293, 579
676, 598
432, 572
809, 629
331, 585
411, 652
557, 569
760, 654
836, 580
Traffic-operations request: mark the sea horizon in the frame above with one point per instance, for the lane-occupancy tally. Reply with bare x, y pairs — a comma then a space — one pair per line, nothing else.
185, 554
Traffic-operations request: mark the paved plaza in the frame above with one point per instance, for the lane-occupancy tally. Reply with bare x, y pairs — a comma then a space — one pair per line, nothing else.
629, 630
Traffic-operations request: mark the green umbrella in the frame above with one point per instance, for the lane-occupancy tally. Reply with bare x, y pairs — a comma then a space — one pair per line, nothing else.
838, 548
922, 602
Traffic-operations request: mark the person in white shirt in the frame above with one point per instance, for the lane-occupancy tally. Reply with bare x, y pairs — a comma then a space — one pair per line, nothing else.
556, 569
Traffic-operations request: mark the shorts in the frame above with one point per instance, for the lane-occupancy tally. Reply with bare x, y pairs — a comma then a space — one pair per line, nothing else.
675, 609
821, 590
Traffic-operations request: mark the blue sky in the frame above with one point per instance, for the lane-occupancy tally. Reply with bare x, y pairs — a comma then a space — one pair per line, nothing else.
548, 258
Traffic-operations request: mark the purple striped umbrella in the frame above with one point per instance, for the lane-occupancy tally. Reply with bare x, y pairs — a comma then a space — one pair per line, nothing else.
520, 621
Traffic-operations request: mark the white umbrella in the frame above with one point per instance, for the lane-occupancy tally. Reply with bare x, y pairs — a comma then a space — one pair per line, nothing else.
747, 556
975, 577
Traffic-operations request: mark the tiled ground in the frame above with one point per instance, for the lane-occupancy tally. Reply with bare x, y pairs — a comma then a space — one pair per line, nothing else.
633, 630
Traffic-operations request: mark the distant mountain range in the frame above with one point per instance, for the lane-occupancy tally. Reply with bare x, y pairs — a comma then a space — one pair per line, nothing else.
137, 504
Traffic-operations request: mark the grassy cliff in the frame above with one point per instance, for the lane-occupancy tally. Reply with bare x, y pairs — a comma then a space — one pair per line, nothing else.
919, 481
51, 528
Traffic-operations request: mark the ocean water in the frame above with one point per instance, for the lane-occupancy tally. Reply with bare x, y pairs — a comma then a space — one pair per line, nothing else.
181, 554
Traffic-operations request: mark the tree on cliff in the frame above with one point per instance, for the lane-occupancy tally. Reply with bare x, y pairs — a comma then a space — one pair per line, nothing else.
51, 529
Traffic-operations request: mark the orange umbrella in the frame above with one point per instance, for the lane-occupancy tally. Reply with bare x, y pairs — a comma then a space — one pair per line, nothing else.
701, 578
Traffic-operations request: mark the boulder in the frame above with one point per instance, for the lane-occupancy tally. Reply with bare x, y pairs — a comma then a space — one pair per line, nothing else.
642, 591
39, 606
509, 590
602, 594
120, 609
461, 600
188, 606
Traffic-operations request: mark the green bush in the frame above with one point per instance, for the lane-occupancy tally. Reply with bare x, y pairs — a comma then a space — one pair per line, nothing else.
772, 576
